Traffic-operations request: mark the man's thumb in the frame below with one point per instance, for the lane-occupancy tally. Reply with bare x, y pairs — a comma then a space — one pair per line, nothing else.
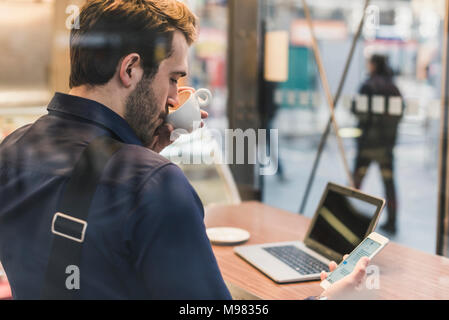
360, 269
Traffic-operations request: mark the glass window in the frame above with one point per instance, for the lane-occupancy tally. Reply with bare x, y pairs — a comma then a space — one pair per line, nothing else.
25, 61
388, 112
207, 69
390, 137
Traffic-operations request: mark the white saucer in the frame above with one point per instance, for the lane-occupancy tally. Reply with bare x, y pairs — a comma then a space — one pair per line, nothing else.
227, 236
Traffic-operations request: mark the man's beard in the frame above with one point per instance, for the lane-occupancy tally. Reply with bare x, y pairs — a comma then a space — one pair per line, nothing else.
142, 112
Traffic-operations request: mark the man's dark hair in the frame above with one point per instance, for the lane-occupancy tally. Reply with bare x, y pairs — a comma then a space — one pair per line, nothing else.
381, 67
111, 29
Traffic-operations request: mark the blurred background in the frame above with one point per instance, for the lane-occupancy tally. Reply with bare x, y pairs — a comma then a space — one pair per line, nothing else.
257, 59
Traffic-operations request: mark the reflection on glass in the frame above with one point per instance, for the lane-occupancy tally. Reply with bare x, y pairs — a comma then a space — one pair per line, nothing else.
342, 222
409, 34
379, 130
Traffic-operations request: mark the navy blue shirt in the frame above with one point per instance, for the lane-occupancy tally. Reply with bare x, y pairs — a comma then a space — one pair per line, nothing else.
145, 238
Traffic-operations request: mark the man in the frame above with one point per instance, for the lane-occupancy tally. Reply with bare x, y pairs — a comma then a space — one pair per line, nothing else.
379, 134
145, 237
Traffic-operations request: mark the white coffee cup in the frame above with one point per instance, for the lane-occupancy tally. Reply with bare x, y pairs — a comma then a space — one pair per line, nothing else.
188, 115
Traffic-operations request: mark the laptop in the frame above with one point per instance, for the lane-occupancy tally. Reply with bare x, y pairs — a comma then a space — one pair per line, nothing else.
344, 218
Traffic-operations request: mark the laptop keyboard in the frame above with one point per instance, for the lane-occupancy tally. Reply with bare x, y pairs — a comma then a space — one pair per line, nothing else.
297, 259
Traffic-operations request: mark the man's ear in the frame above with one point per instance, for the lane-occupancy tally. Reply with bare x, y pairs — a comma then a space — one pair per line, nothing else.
130, 70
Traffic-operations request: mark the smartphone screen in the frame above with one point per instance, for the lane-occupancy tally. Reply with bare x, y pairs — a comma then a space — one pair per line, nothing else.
365, 249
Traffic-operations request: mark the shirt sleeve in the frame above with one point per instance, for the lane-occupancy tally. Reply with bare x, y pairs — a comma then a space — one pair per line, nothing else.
169, 243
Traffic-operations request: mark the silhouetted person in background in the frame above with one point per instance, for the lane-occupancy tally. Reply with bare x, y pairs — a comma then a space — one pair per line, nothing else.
379, 133
269, 108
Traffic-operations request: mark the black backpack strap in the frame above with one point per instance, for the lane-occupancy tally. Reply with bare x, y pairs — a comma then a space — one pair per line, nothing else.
70, 221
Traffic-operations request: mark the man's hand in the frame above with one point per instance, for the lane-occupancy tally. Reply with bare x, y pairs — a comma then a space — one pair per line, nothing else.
162, 138
2, 274
349, 286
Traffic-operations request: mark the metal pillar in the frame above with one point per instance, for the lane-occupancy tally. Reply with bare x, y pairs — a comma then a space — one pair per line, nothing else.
442, 247
244, 56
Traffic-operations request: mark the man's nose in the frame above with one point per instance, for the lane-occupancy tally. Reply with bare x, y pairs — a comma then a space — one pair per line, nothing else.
173, 101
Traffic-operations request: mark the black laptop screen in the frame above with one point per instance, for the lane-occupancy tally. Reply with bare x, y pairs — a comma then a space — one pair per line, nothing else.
342, 222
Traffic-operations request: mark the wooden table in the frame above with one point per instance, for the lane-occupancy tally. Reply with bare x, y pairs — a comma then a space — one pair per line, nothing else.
405, 273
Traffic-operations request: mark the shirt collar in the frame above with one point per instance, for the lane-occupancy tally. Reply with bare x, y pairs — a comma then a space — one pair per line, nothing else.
95, 112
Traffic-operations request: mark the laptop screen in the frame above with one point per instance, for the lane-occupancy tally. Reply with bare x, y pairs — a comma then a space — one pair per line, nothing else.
342, 222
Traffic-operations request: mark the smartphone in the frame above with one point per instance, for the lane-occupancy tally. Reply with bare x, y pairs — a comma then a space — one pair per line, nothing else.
367, 248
